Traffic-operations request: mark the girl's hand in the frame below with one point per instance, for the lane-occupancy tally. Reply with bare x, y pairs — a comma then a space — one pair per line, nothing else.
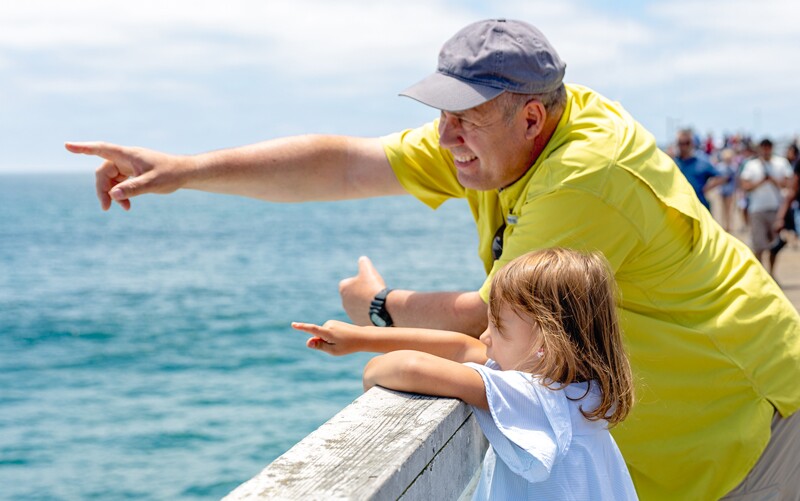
334, 337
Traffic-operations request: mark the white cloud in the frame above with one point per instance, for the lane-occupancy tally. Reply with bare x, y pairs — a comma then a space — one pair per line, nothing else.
583, 35
334, 39
243, 55
300, 38
168, 48
737, 37
113, 85
307, 37
732, 18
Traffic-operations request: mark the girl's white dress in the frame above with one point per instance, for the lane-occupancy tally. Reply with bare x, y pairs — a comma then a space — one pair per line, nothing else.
541, 445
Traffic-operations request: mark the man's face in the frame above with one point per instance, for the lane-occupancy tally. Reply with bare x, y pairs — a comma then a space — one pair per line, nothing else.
791, 155
490, 151
685, 146
765, 152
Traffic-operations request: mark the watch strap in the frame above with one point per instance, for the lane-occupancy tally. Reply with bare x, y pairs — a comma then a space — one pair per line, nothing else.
378, 307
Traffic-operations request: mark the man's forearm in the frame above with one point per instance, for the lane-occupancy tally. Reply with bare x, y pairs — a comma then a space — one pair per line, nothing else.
454, 311
748, 185
297, 169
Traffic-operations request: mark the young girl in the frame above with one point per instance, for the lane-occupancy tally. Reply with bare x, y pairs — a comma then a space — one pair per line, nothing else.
546, 380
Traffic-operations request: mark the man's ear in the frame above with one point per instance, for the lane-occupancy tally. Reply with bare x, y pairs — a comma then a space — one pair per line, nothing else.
535, 115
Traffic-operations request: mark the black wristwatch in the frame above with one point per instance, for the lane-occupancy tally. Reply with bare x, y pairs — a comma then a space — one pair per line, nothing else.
377, 310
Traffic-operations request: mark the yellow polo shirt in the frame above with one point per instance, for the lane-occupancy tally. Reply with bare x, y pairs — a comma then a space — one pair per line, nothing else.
714, 343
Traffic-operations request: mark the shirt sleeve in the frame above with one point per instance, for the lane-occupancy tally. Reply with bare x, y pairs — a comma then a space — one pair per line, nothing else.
710, 170
785, 168
750, 172
527, 424
425, 169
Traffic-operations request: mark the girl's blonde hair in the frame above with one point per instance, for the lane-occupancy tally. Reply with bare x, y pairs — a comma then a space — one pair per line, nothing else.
570, 297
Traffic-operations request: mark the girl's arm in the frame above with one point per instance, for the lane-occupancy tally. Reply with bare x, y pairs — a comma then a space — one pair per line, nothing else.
418, 372
340, 338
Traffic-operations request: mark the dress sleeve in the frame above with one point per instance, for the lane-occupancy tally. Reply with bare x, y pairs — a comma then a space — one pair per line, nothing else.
527, 424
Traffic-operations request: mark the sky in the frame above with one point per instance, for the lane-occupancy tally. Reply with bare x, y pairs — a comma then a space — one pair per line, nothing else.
192, 76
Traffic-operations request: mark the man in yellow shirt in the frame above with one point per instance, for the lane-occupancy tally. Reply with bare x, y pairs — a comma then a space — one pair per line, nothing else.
714, 343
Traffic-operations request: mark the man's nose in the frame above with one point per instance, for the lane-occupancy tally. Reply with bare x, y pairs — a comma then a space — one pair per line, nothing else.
449, 131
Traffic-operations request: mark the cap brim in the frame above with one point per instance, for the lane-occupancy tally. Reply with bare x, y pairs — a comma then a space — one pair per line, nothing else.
447, 93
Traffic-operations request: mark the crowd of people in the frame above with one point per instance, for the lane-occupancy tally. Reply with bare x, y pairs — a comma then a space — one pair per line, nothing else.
755, 185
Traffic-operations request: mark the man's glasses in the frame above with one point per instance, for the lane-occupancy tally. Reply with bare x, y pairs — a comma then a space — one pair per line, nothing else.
497, 242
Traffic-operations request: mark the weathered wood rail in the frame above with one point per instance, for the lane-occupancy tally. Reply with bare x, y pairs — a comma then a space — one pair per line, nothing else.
385, 445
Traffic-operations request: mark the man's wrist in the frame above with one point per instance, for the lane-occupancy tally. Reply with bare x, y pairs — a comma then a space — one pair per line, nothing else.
378, 314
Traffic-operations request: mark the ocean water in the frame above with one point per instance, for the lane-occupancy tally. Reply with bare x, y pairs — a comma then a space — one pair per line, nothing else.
148, 355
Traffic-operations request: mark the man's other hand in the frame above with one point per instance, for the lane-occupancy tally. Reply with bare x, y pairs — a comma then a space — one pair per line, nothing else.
357, 292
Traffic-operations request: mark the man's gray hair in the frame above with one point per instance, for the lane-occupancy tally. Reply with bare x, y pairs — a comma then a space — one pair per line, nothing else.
553, 101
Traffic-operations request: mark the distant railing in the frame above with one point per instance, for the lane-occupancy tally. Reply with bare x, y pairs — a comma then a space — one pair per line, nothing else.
385, 445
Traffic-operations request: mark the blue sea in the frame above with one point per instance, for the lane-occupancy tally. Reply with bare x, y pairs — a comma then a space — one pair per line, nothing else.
148, 354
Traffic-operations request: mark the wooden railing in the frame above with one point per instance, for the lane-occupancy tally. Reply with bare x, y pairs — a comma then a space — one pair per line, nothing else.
385, 445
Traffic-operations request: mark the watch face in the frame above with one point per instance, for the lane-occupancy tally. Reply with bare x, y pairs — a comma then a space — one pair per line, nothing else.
377, 320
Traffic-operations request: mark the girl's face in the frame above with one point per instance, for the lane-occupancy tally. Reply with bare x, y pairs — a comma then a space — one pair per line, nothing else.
513, 343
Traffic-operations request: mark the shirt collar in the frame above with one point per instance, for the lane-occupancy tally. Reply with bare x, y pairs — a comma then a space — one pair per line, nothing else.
511, 195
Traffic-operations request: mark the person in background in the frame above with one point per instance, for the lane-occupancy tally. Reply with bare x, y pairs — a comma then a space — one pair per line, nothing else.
788, 216
745, 153
793, 154
728, 170
708, 145
545, 381
712, 340
763, 178
698, 171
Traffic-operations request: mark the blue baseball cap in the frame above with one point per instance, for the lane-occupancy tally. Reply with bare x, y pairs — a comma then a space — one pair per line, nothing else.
487, 58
